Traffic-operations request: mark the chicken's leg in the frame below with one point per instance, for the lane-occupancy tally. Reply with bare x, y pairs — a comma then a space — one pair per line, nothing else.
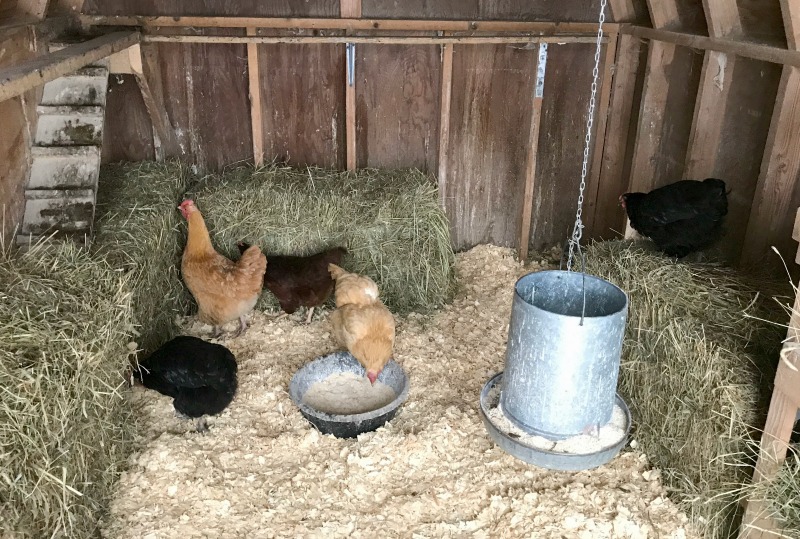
242, 326
216, 332
310, 314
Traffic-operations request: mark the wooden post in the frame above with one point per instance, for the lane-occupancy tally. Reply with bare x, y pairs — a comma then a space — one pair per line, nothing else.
350, 9
533, 151
599, 136
446, 93
254, 76
33, 8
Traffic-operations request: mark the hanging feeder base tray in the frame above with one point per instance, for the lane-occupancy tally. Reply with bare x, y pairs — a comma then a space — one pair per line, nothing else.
490, 396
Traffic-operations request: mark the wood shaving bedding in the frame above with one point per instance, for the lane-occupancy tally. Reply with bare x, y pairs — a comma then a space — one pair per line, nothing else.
262, 471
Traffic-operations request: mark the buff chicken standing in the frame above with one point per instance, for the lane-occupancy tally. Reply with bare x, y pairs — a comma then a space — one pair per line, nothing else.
361, 322
224, 290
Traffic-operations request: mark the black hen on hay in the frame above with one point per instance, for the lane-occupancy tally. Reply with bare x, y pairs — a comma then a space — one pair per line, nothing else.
696, 370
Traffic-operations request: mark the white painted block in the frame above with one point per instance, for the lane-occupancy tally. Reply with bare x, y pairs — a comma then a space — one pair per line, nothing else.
64, 167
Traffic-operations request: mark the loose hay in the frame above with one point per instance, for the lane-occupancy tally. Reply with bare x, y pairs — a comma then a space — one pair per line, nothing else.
782, 495
263, 471
137, 230
65, 430
695, 371
389, 220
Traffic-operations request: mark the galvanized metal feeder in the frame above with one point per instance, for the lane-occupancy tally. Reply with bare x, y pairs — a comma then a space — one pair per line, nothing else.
563, 353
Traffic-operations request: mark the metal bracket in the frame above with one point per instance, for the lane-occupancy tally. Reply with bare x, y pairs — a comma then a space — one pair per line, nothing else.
351, 63
541, 65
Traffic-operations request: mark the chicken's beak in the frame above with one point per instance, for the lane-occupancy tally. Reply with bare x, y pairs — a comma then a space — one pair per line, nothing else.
372, 375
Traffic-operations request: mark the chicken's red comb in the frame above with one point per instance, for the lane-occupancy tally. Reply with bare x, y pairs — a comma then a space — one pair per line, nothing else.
186, 202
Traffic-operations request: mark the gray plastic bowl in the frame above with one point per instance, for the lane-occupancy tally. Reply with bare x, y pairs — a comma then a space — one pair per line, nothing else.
543, 458
346, 426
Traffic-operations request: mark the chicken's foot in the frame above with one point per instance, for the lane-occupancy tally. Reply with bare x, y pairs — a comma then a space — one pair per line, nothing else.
242, 326
310, 314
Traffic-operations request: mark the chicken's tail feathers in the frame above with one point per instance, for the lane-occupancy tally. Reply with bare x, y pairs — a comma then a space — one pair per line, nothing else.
252, 258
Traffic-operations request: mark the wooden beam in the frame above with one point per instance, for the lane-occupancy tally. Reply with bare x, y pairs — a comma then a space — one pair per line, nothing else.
400, 40
254, 77
446, 93
791, 22
430, 25
18, 79
663, 13
609, 216
530, 166
350, 9
755, 51
709, 114
33, 8
722, 17
777, 198
599, 136
157, 114
622, 10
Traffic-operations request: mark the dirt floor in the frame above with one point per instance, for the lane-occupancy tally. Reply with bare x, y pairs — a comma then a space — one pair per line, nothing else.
262, 471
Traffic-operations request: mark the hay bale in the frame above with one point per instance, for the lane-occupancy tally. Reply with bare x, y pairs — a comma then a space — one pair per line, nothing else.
389, 220
137, 230
65, 431
696, 370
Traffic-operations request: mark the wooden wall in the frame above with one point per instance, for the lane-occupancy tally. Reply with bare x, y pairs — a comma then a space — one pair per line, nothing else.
18, 124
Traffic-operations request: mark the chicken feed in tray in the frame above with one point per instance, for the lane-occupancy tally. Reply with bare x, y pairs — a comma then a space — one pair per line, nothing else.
262, 471
348, 393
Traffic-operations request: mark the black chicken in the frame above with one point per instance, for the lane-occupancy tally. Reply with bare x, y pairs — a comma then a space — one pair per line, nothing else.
300, 281
200, 376
682, 217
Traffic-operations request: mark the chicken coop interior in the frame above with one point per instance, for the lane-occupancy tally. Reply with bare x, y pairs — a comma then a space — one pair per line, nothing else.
368, 268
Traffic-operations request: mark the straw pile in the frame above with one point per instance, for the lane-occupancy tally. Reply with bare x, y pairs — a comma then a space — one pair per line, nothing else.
782, 495
65, 431
389, 220
136, 230
695, 371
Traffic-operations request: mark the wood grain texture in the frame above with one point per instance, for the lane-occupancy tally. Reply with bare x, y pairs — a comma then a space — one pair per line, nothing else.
204, 91
567, 89
127, 131
491, 105
777, 195
446, 94
273, 8
350, 8
530, 181
609, 220
254, 90
566, 10
397, 106
790, 9
685, 15
743, 128
303, 104
665, 115
722, 17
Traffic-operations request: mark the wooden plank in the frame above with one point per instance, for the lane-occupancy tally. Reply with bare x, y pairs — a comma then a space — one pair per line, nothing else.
665, 119
716, 81
722, 17
609, 218
254, 8
350, 115
622, 10
489, 107
540, 27
254, 86
790, 10
777, 194
302, 113
397, 106
384, 40
561, 142
663, 13
603, 102
745, 123
33, 8
350, 9
408, 9
756, 51
16, 80
445, 92
530, 179
128, 130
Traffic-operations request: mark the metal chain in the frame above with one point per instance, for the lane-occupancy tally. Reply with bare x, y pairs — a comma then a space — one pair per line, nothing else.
577, 231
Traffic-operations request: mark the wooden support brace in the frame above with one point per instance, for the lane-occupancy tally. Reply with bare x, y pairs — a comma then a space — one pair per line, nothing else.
254, 79
533, 152
350, 9
36, 9
446, 93
18, 79
156, 113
